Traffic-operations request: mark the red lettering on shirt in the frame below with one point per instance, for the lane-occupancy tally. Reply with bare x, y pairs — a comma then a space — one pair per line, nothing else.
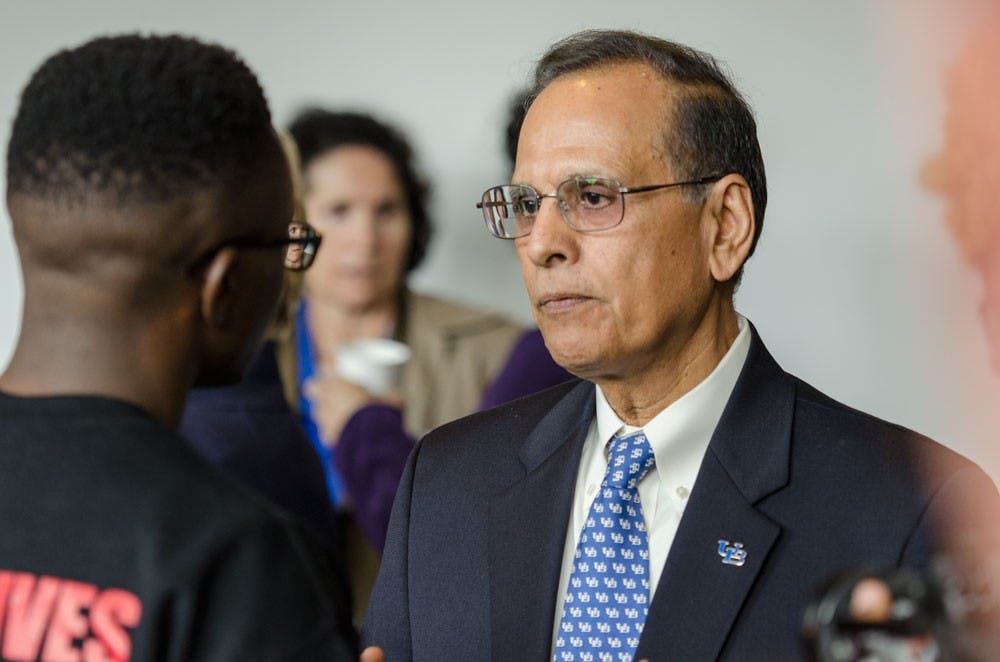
68, 622
28, 608
5, 577
114, 611
62, 620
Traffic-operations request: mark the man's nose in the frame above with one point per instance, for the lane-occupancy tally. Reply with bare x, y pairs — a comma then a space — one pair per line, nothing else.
551, 239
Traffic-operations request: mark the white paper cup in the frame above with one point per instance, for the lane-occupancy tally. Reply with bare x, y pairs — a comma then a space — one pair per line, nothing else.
374, 364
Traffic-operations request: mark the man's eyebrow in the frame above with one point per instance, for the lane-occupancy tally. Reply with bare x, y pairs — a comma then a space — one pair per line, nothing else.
591, 174
588, 174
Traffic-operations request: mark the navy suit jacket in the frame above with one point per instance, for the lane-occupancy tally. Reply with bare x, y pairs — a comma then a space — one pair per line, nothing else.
248, 431
808, 486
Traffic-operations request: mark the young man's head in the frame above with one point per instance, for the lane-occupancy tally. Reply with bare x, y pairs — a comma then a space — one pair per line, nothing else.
148, 193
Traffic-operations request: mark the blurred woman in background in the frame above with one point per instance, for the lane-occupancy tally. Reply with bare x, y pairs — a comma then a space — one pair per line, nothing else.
363, 194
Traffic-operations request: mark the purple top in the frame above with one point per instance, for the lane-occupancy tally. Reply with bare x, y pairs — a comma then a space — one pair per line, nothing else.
529, 369
371, 454
374, 446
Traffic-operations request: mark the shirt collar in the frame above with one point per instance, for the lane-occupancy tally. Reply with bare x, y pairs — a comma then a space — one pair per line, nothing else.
680, 433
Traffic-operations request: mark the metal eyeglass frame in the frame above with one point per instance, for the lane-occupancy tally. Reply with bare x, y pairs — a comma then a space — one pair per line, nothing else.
310, 243
485, 204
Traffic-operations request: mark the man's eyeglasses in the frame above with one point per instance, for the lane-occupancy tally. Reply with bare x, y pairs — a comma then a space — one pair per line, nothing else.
587, 204
300, 246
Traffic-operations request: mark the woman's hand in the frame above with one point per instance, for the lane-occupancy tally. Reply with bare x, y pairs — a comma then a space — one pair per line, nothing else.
335, 400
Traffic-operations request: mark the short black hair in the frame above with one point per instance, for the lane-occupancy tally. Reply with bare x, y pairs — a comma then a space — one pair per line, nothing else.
317, 131
137, 117
713, 128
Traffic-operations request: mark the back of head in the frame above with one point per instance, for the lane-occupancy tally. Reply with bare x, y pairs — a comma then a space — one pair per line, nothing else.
117, 140
318, 131
141, 118
711, 130
136, 166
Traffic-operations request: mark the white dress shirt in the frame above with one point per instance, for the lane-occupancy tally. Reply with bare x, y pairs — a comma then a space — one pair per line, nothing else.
679, 437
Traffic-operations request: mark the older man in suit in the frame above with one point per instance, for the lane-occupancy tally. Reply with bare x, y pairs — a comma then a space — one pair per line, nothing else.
685, 497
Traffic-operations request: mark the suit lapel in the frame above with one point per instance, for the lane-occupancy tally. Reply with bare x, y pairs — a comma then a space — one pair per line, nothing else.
699, 596
527, 531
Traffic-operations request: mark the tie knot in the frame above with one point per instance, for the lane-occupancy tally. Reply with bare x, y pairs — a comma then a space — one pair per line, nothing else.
629, 458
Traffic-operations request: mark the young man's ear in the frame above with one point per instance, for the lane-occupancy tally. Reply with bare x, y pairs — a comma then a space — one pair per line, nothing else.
218, 288
732, 225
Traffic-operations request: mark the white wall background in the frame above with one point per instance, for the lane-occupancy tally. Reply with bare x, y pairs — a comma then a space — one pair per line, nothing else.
855, 287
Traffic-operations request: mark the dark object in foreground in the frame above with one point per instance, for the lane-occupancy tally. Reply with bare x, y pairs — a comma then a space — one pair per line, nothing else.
888, 614
896, 614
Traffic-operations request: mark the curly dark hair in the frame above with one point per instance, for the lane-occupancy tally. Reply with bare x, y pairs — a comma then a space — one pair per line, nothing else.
317, 131
713, 130
137, 117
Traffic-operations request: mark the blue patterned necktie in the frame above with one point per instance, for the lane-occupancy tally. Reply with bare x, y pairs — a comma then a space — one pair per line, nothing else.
608, 593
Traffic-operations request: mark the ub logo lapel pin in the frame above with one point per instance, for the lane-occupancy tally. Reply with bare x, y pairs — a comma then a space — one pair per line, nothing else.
732, 554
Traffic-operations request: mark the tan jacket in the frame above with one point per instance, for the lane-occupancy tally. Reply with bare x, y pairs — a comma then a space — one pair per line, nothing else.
457, 352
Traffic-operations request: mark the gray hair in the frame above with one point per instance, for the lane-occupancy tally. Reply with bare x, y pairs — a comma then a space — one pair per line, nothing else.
712, 131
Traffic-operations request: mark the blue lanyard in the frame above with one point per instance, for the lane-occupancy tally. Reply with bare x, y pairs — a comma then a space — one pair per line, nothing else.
305, 353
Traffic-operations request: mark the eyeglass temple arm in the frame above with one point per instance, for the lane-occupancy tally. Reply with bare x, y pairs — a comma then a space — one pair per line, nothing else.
654, 187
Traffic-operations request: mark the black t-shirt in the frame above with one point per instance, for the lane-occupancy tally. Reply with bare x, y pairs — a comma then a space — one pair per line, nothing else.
119, 542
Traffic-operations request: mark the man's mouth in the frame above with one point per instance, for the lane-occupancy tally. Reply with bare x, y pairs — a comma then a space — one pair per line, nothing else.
561, 301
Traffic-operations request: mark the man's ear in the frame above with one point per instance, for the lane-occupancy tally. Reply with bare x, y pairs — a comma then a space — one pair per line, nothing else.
218, 288
732, 226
